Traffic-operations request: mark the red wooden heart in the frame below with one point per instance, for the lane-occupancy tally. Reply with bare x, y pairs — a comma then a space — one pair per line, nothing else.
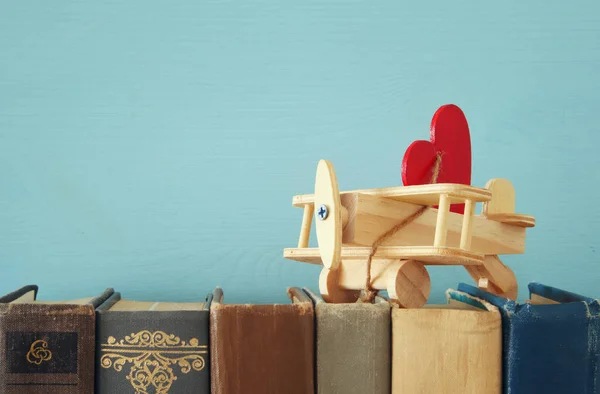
450, 137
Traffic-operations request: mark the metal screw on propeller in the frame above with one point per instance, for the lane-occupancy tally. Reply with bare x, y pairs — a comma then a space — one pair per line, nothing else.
322, 212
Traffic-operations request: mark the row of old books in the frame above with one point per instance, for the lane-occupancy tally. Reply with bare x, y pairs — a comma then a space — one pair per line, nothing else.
475, 343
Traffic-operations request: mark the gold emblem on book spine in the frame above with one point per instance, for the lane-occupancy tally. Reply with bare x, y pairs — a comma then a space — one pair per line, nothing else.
151, 355
38, 352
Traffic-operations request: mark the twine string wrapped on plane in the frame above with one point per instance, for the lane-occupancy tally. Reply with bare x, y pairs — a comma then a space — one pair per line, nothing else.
370, 293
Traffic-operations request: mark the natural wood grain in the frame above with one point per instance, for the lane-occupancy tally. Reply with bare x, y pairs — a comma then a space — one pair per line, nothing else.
370, 217
467, 225
352, 273
332, 290
426, 254
376, 212
501, 279
441, 227
501, 208
410, 285
503, 197
306, 225
422, 194
513, 219
329, 231
407, 282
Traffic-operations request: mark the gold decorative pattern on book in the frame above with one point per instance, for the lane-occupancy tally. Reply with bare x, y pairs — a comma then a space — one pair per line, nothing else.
151, 355
39, 352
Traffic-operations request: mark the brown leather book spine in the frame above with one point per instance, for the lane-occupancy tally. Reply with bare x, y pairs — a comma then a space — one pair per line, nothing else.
266, 349
47, 349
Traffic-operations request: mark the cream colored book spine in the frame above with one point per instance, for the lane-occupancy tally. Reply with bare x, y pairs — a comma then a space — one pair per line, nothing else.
454, 348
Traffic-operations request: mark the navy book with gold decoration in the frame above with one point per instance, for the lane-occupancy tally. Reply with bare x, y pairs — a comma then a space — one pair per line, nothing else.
152, 347
550, 342
47, 346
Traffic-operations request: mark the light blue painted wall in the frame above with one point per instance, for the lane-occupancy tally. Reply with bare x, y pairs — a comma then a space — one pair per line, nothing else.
155, 146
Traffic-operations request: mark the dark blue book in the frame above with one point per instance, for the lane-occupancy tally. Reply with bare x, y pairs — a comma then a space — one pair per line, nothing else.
550, 342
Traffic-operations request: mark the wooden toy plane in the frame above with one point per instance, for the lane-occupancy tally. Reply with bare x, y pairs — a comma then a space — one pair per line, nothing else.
348, 223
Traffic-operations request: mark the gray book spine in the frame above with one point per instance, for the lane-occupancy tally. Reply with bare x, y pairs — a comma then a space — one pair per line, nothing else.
353, 347
152, 352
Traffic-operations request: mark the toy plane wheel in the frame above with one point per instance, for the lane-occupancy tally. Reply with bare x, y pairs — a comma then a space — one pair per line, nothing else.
332, 292
410, 285
328, 211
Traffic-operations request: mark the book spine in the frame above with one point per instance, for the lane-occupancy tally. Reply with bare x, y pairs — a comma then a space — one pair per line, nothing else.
358, 334
267, 349
153, 352
537, 339
544, 336
446, 351
47, 349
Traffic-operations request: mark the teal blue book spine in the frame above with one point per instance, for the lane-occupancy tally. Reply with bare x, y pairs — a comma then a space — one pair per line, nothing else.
550, 342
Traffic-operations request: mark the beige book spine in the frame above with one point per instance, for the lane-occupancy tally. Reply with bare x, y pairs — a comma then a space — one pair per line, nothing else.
446, 350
